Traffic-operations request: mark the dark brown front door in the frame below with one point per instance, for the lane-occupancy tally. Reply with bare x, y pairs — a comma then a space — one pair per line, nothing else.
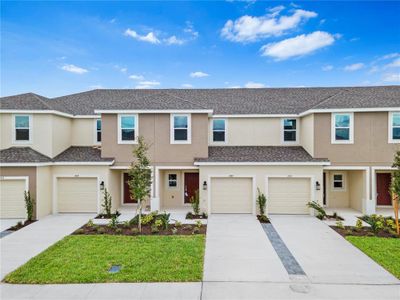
382, 189
191, 185
127, 195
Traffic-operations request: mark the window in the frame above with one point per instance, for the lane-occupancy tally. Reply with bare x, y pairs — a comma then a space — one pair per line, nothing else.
342, 128
22, 126
338, 182
98, 130
127, 129
180, 129
290, 130
219, 128
172, 180
394, 127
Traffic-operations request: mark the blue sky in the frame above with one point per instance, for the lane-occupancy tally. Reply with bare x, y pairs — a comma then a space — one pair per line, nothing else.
57, 48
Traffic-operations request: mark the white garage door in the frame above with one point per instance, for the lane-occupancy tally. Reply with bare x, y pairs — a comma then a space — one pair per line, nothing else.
288, 195
231, 195
76, 195
12, 198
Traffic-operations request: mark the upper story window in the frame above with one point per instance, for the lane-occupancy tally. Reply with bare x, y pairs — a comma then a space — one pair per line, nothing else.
127, 129
98, 130
289, 130
180, 129
342, 128
394, 127
22, 128
172, 180
219, 130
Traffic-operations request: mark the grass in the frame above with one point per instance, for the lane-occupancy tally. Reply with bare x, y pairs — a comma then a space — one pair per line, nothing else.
87, 259
385, 251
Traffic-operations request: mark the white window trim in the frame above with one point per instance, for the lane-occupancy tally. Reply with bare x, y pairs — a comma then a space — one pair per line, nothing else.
351, 128
296, 142
344, 183
390, 128
212, 131
189, 129
177, 184
135, 141
95, 131
30, 141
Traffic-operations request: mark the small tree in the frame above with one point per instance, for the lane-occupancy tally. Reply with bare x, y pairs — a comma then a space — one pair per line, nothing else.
195, 202
140, 177
395, 189
261, 201
107, 200
29, 203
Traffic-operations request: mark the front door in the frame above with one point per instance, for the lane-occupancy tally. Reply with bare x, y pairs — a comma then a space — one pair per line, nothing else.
127, 194
191, 185
382, 189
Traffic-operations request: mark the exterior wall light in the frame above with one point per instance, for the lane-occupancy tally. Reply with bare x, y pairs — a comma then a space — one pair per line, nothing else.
102, 186
317, 185
205, 185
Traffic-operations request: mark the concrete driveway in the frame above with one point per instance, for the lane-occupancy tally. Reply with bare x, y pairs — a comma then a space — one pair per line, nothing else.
20, 246
237, 249
325, 256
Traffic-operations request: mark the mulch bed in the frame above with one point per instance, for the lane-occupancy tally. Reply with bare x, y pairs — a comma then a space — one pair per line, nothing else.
20, 225
337, 218
262, 219
365, 231
191, 216
186, 229
104, 216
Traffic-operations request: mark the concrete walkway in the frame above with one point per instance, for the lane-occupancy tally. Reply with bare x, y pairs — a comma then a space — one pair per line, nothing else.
325, 256
20, 246
237, 249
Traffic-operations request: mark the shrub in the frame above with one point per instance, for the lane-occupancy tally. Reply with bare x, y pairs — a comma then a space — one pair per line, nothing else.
321, 213
29, 203
195, 202
158, 223
204, 215
147, 219
164, 218
19, 224
178, 224
174, 230
261, 201
113, 222
154, 229
101, 230
339, 224
118, 230
106, 205
189, 215
126, 224
195, 230
359, 225
134, 220
80, 231
134, 231
90, 223
263, 219
199, 224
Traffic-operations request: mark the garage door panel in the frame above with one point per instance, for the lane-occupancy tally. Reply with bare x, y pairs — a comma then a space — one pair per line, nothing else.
12, 198
77, 195
288, 195
231, 195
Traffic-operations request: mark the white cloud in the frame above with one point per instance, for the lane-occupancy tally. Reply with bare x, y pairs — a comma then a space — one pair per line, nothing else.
187, 85
394, 64
147, 84
189, 29
248, 28
74, 69
274, 11
298, 46
327, 68
136, 77
254, 85
389, 56
198, 74
391, 77
173, 40
354, 67
149, 38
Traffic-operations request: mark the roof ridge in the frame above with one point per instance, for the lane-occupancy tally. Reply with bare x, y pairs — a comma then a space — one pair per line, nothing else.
177, 97
330, 97
42, 101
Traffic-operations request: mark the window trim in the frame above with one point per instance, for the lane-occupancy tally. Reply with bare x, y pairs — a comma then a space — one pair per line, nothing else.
176, 180
135, 141
30, 128
296, 142
351, 128
189, 129
96, 142
390, 128
343, 188
225, 131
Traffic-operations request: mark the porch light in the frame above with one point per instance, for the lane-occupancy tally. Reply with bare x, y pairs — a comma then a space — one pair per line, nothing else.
317, 185
205, 185
102, 185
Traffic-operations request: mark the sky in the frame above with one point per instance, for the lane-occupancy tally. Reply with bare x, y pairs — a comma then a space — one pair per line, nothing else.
58, 48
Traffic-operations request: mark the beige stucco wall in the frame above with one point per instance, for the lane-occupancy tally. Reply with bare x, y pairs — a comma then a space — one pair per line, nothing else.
307, 133
44, 191
114, 186
61, 131
337, 198
156, 130
357, 190
260, 172
83, 132
370, 146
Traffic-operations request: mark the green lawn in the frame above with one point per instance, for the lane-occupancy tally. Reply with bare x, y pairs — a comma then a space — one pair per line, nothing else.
385, 251
87, 258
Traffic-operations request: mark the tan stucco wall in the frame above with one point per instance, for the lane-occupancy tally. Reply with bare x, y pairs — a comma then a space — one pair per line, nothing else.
114, 187
44, 191
337, 198
156, 130
61, 130
83, 132
260, 172
307, 133
23, 171
357, 190
370, 146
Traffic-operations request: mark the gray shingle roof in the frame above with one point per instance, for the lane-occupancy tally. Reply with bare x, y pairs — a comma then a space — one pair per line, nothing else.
81, 154
22, 154
258, 154
221, 101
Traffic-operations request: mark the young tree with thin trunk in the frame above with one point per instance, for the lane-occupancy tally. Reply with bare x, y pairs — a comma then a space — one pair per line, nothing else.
140, 177
395, 189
